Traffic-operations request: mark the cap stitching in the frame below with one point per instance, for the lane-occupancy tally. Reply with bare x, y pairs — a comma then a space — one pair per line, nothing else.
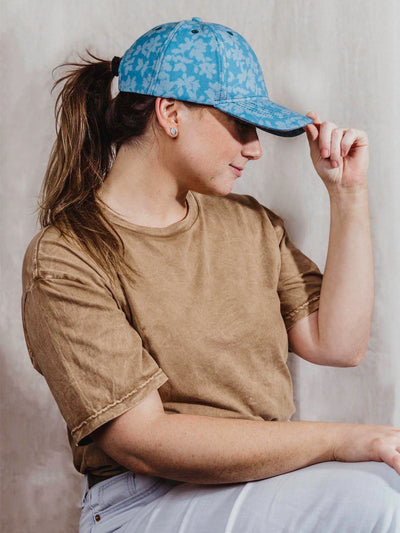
245, 98
161, 56
221, 70
253, 107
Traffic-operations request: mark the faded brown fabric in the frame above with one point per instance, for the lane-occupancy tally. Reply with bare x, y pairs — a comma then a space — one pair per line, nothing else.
205, 324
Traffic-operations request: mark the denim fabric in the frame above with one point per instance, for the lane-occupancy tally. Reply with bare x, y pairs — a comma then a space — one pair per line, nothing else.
111, 504
329, 497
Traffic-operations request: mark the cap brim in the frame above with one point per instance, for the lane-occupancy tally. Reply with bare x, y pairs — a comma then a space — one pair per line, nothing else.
266, 115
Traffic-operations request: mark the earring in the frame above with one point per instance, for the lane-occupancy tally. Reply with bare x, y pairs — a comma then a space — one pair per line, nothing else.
174, 132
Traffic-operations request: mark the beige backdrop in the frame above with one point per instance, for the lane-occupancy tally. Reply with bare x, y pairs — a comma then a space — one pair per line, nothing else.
339, 58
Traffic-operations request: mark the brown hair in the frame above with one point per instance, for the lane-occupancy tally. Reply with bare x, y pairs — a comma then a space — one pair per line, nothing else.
91, 126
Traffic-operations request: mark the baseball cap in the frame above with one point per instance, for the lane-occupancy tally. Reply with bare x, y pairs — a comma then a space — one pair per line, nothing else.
205, 63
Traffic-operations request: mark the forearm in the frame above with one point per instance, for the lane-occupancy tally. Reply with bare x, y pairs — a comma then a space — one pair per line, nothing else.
202, 449
347, 292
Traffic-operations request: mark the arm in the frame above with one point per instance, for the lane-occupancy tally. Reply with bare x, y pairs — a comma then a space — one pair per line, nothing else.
203, 449
211, 450
338, 333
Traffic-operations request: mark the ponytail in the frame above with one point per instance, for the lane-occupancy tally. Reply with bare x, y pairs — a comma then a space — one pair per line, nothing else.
90, 127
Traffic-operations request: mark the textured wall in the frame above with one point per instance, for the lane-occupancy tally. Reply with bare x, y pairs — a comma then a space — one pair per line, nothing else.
336, 57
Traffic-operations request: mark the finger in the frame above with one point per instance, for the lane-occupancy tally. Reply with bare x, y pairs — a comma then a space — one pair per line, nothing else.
314, 115
396, 463
348, 140
311, 129
390, 457
325, 134
336, 139
311, 132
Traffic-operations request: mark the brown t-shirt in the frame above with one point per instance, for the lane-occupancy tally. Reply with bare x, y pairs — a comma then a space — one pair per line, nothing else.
206, 323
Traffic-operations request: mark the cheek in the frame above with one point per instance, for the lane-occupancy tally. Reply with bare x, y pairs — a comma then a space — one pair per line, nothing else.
201, 156
206, 152
193, 165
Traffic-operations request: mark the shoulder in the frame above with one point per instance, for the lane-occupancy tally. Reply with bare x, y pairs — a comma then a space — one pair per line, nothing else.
232, 202
243, 202
51, 254
244, 206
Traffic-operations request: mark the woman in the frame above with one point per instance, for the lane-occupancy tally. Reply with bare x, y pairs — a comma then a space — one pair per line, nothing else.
159, 306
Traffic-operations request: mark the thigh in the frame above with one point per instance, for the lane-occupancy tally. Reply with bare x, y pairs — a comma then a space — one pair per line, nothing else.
110, 505
359, 497
330, 497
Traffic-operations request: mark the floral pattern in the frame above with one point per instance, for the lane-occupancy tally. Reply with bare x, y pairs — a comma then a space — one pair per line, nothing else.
206, 63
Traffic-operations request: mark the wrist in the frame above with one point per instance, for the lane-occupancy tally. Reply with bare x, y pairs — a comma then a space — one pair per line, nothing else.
348, 196
341, 188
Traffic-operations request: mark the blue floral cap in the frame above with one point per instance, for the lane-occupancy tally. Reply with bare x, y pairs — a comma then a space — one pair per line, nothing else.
208, 64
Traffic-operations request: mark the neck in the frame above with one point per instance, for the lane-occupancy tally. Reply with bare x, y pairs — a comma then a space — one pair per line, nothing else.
142, 190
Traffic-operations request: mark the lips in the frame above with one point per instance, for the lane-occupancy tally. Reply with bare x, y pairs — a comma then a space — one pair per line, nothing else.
236, 170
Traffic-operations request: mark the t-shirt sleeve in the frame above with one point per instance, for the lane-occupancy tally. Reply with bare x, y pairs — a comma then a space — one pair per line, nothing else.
300, 279
92, 358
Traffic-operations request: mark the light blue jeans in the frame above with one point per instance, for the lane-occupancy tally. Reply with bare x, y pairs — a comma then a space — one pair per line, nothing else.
329, 497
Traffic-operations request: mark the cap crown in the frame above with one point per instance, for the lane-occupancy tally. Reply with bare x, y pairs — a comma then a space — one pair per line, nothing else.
192, 60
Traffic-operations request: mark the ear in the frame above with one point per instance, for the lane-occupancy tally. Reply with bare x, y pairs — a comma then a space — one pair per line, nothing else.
168, 113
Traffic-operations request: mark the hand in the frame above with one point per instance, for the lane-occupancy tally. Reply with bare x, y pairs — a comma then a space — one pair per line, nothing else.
362, 442
340, 156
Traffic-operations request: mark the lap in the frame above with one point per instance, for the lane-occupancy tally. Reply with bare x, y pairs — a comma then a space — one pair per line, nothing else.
329, 497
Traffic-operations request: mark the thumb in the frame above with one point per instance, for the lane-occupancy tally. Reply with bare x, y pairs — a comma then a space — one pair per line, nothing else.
312, 134
312, 130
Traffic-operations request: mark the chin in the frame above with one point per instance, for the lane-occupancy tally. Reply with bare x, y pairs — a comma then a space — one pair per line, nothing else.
222, 193
224, 190
219, 189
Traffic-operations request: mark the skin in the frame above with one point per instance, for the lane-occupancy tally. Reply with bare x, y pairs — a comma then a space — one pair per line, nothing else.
148, 184
149, 181
338, 333
340, 156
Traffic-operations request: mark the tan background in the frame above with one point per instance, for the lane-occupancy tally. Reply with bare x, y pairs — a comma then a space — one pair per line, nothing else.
336, 57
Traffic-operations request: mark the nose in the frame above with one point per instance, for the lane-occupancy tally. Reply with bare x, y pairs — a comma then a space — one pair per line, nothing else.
251, 146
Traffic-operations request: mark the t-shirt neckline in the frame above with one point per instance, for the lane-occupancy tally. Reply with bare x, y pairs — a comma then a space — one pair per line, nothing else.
172, 229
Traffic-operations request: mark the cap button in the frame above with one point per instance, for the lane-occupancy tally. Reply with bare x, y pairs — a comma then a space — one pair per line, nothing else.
197, 19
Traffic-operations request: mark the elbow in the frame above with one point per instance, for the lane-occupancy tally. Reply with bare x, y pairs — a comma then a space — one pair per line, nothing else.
344, 355
358, 359
341, 358
358, 354
124, 456
351, 359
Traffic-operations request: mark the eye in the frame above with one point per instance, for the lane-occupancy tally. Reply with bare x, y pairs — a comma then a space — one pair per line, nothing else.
243, 126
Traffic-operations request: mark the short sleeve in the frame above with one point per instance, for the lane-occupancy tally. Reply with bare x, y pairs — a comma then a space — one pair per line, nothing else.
300, 279
90, 355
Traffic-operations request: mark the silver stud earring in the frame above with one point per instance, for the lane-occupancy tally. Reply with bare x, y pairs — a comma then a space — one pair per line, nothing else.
173, 131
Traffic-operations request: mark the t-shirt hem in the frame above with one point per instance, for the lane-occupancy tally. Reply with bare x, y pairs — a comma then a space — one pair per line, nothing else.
80, 434
301, 311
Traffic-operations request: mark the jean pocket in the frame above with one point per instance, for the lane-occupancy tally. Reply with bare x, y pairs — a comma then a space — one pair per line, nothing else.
123, 492
113, 491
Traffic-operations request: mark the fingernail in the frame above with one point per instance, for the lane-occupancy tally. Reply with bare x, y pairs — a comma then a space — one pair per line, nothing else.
324, 152
335, 163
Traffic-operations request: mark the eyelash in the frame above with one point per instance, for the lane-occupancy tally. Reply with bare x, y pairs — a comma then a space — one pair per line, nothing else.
243, 125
